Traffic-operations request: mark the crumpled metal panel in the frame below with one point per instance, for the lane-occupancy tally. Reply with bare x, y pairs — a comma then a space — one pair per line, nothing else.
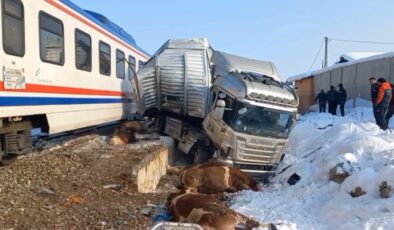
147, 83
198, 83
229, 63
177, 79
184, 81
172, 80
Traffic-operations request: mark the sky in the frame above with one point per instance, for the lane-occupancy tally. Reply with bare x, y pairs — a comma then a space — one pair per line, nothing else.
288, 33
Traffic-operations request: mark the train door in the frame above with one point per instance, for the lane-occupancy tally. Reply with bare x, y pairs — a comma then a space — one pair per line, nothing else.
15, 132
13, 39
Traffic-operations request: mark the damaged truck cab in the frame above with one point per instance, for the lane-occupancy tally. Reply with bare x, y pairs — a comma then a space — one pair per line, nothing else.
252, 115
216, 103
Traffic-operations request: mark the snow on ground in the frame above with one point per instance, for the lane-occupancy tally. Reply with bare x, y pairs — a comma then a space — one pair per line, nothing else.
317, 144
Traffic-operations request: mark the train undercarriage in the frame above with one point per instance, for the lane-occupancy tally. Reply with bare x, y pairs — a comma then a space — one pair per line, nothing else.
15, 137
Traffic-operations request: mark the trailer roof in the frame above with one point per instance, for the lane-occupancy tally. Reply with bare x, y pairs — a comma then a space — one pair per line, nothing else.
228, 63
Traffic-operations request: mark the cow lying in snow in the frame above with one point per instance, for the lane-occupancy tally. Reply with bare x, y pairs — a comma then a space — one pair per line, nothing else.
208, 212
214, 177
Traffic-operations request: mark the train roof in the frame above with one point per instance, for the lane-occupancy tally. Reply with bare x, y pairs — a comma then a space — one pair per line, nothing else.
106, 24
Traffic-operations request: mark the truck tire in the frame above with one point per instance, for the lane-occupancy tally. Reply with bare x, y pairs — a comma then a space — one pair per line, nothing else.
201, 153
160, 123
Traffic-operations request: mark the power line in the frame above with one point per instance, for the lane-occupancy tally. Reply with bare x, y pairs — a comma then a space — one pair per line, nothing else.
357, 41
317, 55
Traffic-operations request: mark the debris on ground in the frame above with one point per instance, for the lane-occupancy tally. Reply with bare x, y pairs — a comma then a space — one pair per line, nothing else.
340, 172
385, 190
294, 179
357, 192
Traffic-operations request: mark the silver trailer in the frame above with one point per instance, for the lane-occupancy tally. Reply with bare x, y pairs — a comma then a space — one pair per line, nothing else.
214, 102
177, 79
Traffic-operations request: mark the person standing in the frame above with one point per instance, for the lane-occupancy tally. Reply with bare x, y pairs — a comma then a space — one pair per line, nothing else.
374, 95
390, 111
322, 98
382, 102
342, 96
332, 99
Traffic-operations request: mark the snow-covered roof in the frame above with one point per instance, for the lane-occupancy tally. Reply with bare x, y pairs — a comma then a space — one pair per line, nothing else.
354, 56
340, 65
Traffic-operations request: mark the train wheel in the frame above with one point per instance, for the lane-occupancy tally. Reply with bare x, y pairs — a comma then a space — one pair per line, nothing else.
18, 142
7, 160
15, 140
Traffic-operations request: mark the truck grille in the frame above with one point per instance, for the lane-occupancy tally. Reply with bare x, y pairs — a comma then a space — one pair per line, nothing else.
258, 152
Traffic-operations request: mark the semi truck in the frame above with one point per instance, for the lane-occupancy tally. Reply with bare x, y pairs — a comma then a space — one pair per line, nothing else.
216, 104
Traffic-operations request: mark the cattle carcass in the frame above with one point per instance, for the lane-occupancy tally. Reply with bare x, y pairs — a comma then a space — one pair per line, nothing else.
208, 212
215, 177
126, 132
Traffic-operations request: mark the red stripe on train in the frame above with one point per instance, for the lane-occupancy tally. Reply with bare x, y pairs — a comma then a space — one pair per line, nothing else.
35, 88
88, 23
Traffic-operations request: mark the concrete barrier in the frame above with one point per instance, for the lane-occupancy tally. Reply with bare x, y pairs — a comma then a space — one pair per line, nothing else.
149, 171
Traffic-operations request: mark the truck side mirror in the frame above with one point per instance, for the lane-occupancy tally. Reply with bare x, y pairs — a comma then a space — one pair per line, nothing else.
218, 112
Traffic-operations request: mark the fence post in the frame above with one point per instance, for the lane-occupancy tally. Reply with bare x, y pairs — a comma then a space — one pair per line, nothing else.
356, 91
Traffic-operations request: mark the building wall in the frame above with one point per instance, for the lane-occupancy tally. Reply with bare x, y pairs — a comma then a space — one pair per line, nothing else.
353, 77
305, 90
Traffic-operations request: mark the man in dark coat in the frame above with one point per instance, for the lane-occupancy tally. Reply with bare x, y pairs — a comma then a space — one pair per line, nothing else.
322, 98
374, 94
332, 99
342, 99
382, 103
390, 112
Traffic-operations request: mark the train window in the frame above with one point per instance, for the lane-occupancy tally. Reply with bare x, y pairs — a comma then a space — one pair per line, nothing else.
131, 67
13, 27
120, 64
83, 51
105, 58
51, 39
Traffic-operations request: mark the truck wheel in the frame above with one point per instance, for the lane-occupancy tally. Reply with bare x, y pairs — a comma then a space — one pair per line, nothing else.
201, 154
160, 123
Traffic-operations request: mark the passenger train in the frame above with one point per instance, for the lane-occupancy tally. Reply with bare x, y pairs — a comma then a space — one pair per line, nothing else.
63, 68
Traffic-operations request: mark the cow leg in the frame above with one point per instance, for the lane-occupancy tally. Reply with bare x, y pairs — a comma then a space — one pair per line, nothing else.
231, 190
272, 227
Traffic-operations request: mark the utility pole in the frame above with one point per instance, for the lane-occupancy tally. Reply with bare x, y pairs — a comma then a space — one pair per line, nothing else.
325, 52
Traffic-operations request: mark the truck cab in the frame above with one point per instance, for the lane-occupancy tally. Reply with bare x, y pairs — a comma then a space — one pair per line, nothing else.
252, 114
209, 100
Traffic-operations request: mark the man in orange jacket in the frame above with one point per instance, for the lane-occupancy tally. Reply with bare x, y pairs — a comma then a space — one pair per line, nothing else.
390, 111
382, 103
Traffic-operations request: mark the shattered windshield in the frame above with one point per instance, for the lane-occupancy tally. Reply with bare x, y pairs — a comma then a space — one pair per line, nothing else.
262, 121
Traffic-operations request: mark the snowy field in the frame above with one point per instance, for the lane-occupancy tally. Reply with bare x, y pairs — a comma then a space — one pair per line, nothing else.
318, 143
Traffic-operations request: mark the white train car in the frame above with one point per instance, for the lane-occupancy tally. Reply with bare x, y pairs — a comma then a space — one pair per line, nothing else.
63, 68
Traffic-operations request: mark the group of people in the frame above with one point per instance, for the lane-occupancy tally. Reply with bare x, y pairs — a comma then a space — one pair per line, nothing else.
333, 98
381, 96
382, 101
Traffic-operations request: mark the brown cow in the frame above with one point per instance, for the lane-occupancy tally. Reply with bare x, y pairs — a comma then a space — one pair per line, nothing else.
126, 131
215, 177
208, 212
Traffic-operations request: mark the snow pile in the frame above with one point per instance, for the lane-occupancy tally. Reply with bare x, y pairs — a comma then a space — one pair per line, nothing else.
319, 143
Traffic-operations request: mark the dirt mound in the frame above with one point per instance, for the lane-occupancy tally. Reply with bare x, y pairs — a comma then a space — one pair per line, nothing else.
84, 183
